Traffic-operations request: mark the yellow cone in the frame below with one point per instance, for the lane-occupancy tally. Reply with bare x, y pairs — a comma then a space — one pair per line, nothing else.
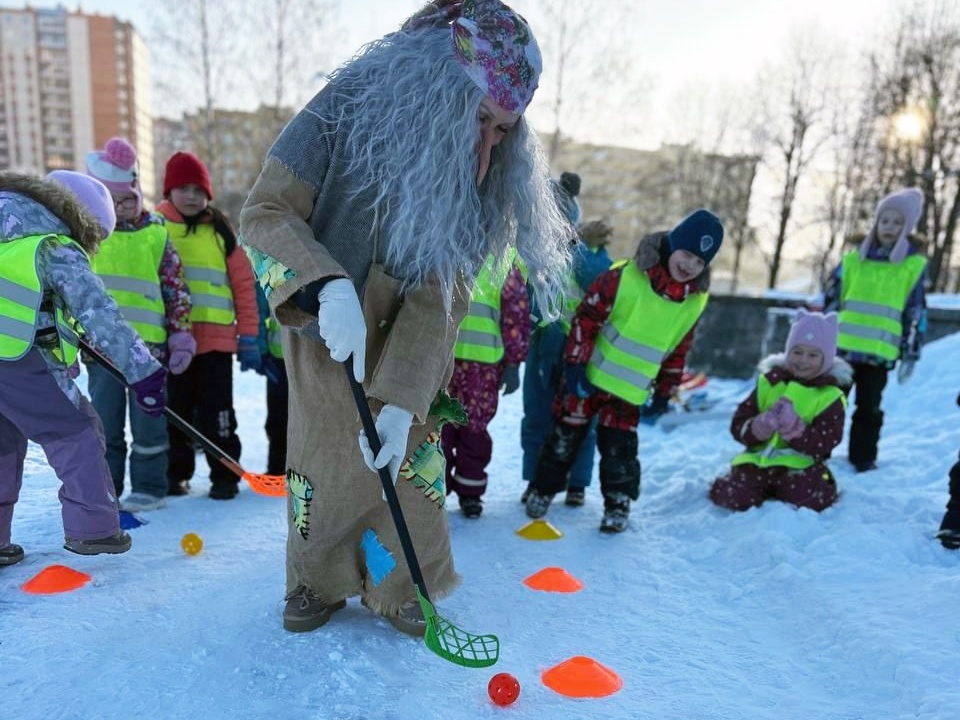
539, 530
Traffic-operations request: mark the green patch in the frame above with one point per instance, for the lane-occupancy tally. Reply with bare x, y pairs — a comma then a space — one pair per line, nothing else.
301, 495
425, 468
270, 272
448, 409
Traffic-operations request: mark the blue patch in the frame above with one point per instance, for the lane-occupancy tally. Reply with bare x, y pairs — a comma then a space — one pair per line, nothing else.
380, 562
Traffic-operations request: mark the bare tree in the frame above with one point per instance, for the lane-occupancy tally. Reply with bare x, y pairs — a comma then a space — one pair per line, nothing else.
590, 64
792, 123
195, 44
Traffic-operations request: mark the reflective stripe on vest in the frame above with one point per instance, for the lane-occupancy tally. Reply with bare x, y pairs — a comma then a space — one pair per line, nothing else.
129, 265
872, 300
808, 403
21, 293
479, 338
643, 328
205, 270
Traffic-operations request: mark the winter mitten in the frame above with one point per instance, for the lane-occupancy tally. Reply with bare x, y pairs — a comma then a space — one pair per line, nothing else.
341, 324
248, 353
656, 406
73, 371
393, 426
575, 381
791, 426
510, 380
150, 393
182, 347
764, 425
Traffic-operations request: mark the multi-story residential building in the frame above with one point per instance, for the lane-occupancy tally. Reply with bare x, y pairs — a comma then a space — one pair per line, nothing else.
69, 82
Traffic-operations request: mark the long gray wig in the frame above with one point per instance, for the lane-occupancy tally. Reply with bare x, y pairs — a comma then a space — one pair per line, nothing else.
412, 119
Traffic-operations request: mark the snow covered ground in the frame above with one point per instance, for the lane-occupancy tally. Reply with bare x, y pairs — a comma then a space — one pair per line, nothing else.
774, 613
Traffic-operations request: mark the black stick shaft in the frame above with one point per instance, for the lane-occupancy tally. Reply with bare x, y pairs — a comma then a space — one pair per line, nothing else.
186, 427
370, 429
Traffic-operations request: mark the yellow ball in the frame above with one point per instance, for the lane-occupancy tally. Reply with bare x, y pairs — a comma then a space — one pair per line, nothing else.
191, 543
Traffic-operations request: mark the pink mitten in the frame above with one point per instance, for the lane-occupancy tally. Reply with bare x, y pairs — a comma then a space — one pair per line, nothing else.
764, 425
791, 425
182, 348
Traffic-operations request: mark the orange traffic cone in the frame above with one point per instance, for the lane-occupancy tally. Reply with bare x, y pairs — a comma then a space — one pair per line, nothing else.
55, 579
582, 677
553, 579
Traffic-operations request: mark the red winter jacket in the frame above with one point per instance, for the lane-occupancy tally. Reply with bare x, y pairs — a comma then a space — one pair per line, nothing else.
597, 303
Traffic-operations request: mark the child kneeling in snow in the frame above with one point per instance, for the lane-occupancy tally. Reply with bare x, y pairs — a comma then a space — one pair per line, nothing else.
790, 423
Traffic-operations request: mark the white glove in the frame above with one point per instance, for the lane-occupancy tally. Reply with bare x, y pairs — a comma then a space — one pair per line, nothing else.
341, 324
393, 426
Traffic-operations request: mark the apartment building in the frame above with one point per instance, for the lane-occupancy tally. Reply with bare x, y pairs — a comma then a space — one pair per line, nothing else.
69, 82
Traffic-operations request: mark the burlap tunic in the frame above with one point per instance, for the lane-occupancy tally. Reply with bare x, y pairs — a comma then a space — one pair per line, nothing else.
333, 498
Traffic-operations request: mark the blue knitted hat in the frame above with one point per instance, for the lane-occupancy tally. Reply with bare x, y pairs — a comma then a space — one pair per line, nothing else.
700, 233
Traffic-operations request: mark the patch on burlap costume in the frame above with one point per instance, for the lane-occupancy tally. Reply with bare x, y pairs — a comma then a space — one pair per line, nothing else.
335, 499
301, 493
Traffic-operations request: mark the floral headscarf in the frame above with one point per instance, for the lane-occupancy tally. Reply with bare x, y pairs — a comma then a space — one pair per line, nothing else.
495, 46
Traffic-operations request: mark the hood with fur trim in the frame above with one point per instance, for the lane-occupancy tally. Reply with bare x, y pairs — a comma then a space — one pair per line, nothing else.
653, 250
64, 215
840, 374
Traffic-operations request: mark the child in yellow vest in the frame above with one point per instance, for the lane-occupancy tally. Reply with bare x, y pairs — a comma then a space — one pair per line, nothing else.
143, 273
879, 294
790, 423
48, 231
626, 349
224, 320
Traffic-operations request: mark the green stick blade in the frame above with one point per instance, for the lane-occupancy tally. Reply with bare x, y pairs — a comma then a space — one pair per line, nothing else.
456, 645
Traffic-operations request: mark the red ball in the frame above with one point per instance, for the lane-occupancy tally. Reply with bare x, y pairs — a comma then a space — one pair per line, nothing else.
503, 688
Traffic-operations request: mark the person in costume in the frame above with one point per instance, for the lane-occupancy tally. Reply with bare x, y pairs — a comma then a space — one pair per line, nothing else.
375, 210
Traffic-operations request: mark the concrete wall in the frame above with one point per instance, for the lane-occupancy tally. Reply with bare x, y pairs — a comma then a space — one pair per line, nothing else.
736, 332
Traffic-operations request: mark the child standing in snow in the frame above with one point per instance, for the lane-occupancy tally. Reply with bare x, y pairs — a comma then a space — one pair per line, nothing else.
224, 321
491, 343
142, 272
878, 291
949, 534
47, 289
629, 340
545, 358
790, 423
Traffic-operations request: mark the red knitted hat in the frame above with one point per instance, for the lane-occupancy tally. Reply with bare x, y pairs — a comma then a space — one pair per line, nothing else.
185, 168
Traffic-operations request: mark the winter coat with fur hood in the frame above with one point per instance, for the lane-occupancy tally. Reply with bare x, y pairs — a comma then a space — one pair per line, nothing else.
28, 207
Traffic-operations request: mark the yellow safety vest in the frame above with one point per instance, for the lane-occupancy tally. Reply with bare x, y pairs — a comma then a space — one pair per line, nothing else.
872, 299
129, 265
274, 343
808, 403
479, 338
643, 328
21, 293
205, 270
